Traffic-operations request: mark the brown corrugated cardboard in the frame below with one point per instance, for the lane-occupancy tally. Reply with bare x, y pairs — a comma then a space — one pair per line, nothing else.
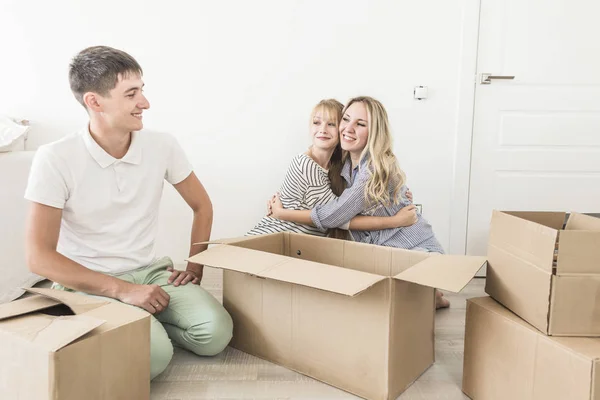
547, 275
506, 358
61, 345
345, 313
583, 223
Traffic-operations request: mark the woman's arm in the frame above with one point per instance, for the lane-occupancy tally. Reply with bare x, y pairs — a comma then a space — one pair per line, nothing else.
338, 212
405, 217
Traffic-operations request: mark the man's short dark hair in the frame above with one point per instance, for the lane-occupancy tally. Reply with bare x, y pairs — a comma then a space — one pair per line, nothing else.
97, 69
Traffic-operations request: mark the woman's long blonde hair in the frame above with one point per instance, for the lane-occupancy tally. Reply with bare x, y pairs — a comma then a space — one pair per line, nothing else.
382, 162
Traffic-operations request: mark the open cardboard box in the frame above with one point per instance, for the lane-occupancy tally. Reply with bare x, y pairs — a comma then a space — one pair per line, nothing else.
64, 346
506, 358
547, 275
356, 316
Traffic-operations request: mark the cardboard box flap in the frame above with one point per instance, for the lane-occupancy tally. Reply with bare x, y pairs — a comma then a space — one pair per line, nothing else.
326, 277
50, 333
78, 303
286, 269
47, 298
582, 222
64, 330
225, 240
448, 272
578, 252
554, 220
26, 306
271, 243
529, 241
238, 259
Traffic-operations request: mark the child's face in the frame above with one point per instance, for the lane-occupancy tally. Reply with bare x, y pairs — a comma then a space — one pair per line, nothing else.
354, 128
324, 132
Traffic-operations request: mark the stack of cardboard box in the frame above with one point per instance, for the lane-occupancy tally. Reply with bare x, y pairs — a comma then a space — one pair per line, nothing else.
353, 315
536, 336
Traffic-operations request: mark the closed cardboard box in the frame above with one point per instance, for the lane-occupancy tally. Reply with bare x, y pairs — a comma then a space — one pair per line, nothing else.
64, 346
356, 316
547, 275
506, 358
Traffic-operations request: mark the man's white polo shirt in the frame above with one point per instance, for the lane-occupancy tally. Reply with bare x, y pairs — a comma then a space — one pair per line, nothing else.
110, 206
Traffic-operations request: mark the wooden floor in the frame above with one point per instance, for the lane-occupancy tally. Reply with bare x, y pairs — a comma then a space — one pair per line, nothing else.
236, 375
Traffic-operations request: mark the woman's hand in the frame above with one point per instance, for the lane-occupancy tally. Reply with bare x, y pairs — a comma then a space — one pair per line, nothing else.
407, 216
409, 195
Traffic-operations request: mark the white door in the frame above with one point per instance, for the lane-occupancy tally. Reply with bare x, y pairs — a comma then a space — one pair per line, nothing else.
536, 138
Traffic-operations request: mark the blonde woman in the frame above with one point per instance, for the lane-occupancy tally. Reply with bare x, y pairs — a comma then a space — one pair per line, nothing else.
314, 179
375, 185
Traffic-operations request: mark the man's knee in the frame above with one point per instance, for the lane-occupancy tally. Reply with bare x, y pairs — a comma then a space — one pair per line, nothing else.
212, 337
161, 350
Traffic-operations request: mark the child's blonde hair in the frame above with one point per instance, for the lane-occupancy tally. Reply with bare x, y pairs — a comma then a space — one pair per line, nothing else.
332, 110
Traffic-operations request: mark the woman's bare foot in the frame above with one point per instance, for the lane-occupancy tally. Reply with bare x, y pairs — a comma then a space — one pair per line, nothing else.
440, 300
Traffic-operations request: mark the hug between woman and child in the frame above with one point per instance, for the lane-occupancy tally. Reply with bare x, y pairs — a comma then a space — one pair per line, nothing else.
348, 185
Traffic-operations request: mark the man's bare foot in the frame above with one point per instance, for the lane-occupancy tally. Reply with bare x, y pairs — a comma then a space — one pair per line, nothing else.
440, 300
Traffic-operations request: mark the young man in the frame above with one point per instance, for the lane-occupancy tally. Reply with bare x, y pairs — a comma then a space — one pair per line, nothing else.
95, 198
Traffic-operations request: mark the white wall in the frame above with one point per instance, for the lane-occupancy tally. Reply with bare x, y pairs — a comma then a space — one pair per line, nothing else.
235, 82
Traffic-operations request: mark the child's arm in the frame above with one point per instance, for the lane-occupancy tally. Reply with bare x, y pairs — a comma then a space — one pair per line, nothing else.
407, 216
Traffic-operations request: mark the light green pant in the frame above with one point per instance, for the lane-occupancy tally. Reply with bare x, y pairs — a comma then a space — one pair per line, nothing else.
194, 319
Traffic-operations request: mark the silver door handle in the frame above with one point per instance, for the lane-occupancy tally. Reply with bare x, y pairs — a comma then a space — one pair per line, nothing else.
486, 79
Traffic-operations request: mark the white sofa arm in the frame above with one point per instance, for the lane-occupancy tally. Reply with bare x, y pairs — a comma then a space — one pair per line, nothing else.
14, 171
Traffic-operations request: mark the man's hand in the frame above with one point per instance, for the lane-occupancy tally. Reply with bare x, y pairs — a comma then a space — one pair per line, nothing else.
151, 298
191, 274
407, 216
